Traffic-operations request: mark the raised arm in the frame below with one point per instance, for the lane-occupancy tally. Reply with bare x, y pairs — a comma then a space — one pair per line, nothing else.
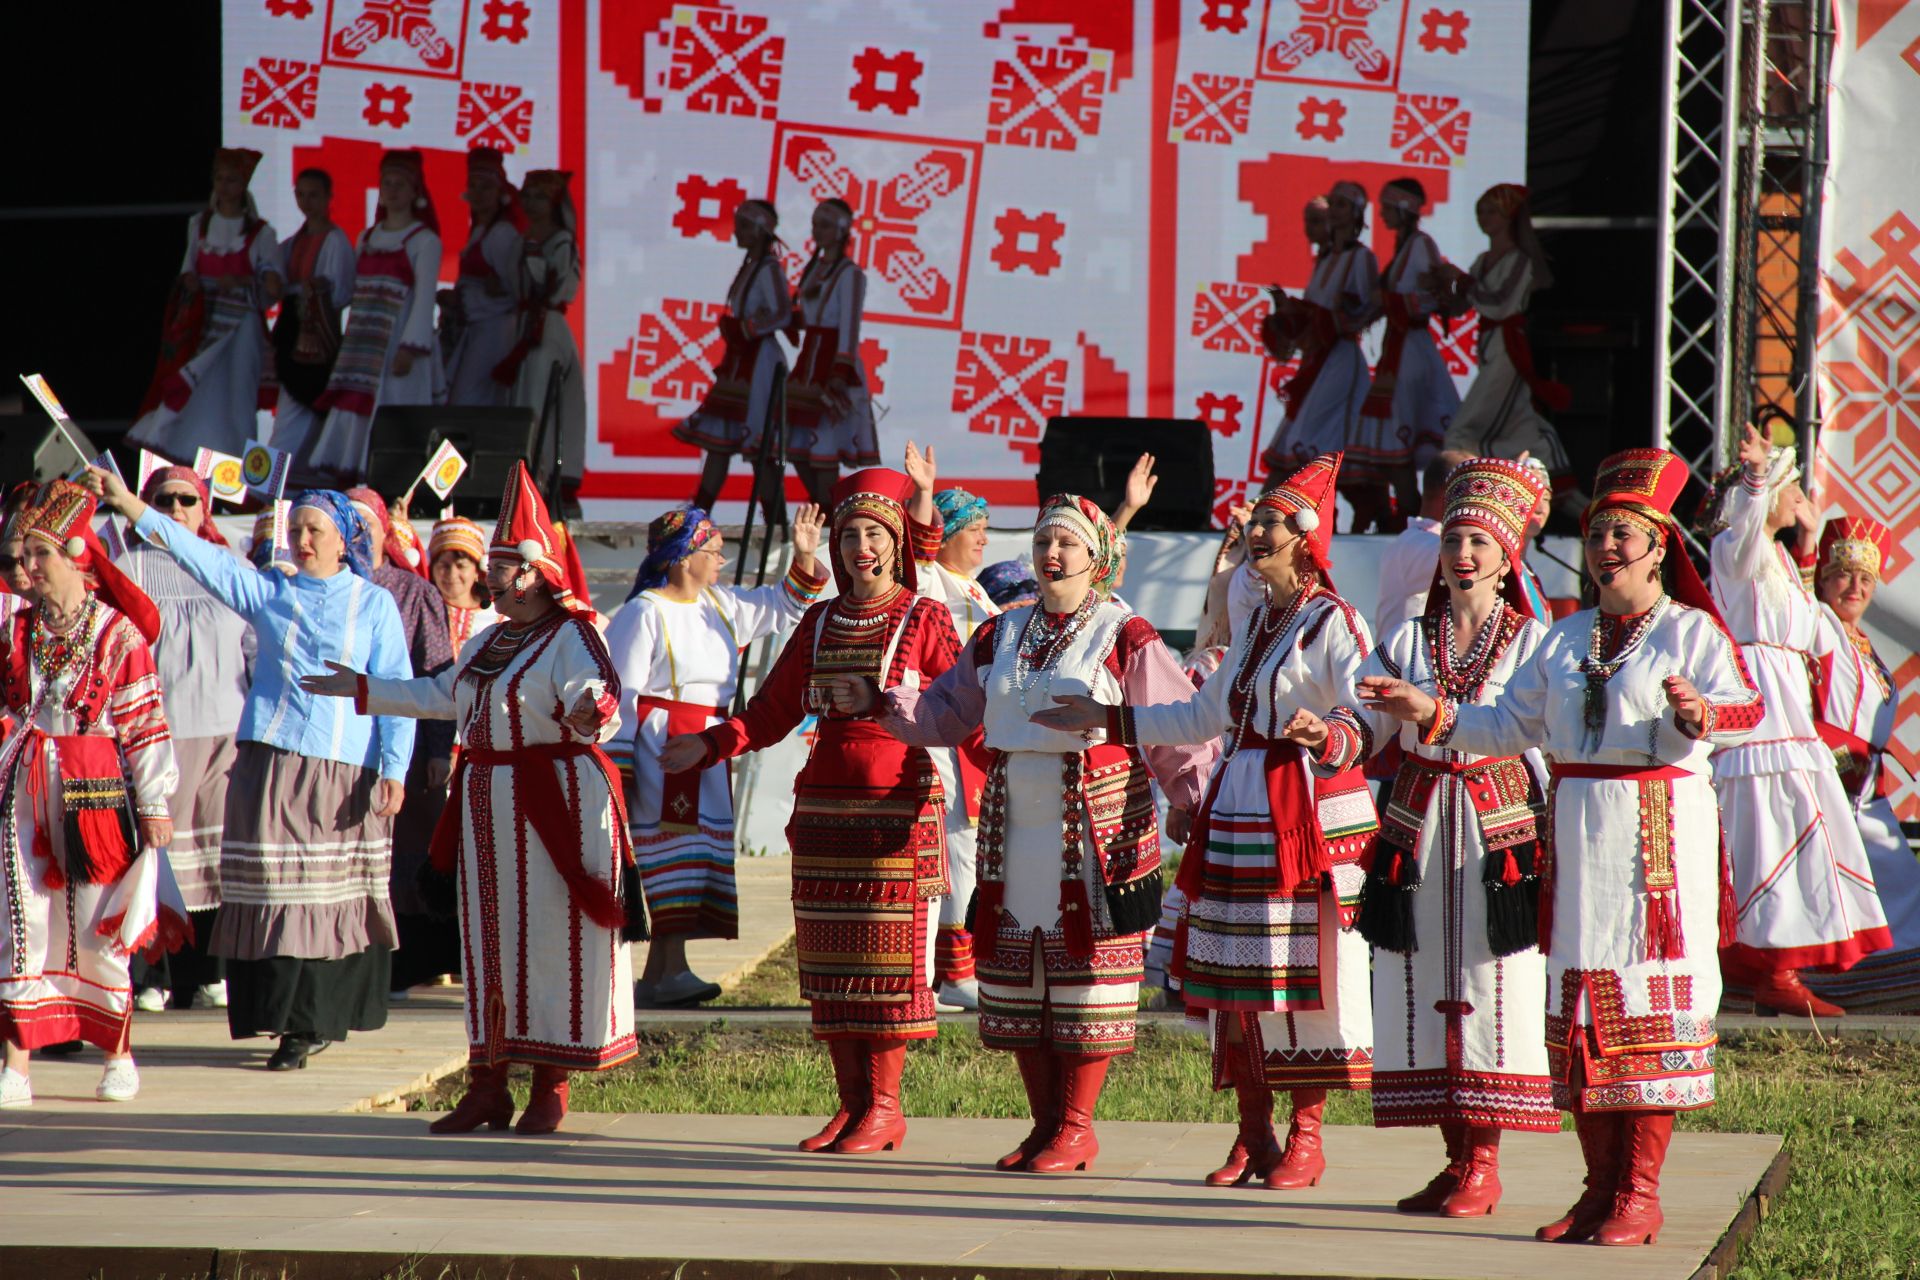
766, 610
1513, 722
776, 708
1150, 679
946, 712
227, 578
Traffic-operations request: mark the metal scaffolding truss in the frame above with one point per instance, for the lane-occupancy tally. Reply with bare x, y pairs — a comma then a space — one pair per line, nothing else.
1745, 157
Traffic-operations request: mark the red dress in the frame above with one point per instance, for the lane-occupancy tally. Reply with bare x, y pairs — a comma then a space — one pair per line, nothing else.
868, 826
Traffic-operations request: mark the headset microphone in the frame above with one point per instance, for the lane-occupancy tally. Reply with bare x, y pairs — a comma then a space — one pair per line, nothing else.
1607, 576
1061, 575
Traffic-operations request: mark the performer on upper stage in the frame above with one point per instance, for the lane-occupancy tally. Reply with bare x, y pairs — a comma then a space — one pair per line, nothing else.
388, 354
478, 315
1499, 418
86, 766
1272, 872
317, 262
207, 389
1324, 397
1856, 705
678, 643
828, 407
1412, 401
868, 857
1069, 857
949, 531
1800, 873
550, 280
534, 827
744, 399
1628, 701
1450, 905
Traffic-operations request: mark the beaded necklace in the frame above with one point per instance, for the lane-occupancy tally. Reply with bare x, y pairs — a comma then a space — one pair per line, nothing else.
1599, 669
1043, 639
1461, 678
1270, 626
54, 653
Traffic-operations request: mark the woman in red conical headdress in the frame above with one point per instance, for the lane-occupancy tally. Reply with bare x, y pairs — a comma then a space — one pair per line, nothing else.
1800, 872
1451, 899
1628, 701
545, 360
1069, 848
1856, 702
741, 405
86, 767
213, 351
866, 835
479, 315
1266, 953
1500, 416
388, 354
549, 978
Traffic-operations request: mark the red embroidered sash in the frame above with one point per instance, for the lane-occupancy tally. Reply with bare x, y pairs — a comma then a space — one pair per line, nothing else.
680, 792
1858, 760
1665, 940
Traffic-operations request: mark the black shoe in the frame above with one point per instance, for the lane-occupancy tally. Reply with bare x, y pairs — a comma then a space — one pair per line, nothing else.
62, 1049
293, 1053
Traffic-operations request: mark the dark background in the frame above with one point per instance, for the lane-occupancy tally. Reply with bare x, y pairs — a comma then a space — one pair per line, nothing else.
119, 105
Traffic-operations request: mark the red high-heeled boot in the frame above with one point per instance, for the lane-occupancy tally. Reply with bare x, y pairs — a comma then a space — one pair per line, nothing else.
883, 1127
485, 1103
1479, 1189
1782, 991
1302, 1163
1635, 1217
1599, 1134
1040, 1073
1430, 1197
1255, 1149
849, 1059
1074, 1146
547, 1104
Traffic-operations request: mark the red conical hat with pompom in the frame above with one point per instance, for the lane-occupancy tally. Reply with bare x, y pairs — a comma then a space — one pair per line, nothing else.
525, 533
1307, 496
63, 517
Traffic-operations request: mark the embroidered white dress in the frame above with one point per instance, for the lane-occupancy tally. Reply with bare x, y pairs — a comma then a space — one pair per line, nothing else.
1344, 283
1637, 1018
1800, 873
1457, 1029
679, 664
1424, 399
736, 409
544, 982
1497, 418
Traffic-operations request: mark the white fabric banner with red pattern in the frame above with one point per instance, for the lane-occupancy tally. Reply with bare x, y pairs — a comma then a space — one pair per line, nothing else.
1062, 206
1868, 460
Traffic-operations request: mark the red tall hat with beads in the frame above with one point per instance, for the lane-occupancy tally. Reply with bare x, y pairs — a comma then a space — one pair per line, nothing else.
880, 494
1855, 542
1641, 486
524, 532
63, 517
1307, 496
1498, 497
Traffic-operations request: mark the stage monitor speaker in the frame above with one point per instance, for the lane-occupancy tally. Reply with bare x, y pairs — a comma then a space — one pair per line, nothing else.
31, 449
403, 437
1092, 456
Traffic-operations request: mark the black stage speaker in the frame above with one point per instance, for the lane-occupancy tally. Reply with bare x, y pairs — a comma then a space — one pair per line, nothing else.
491, 440
1091, 457
31, 449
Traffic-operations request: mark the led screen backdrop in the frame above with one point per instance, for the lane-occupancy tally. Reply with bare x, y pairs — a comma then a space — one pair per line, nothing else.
1061, 205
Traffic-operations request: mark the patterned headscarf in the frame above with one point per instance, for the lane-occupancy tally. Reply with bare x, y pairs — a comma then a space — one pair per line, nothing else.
337, 507
1091, 525
958, 509
1007, 581
209, 531
671, 538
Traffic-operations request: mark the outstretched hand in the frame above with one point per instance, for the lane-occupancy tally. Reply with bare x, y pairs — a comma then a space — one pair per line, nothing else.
1072, 713
1397, 698
1141, 482
110, 489
682, 752
344, 682
1754, 449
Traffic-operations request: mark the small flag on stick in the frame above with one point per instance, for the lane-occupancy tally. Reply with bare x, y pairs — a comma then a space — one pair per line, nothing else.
442, 472
223, 474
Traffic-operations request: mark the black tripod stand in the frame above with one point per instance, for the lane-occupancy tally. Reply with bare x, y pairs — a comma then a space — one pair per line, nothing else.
769, 477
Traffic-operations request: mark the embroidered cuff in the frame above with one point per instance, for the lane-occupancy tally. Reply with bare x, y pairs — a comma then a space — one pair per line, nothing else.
926, 540
1441, 732
1120, 727
805, 587
151, 810
1709, 721
1754, 483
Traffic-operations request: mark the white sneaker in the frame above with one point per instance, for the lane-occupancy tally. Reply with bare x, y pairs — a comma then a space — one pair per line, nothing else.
120, 1082
150, 1000
211, 995
16, 1090
964, 994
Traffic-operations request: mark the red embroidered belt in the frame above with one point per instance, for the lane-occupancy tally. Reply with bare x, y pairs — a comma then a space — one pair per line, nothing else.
1855, 756
680, 792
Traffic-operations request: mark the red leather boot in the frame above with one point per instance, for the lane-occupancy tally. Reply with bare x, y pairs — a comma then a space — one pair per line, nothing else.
1599, 1134
1255, 1148
1074, 1146
1479, 1189
1430, 1197
1781, 991
1302, 1163
1040, 1073
1636, 1217
883, 1127
547, 1105
850, 1080
485, 1103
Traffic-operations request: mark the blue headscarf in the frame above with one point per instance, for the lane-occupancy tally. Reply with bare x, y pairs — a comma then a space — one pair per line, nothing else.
958, 509
671, 538
353, 530
1008, 581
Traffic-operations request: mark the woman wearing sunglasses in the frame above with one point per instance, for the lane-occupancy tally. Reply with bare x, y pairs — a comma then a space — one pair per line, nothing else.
202, 656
